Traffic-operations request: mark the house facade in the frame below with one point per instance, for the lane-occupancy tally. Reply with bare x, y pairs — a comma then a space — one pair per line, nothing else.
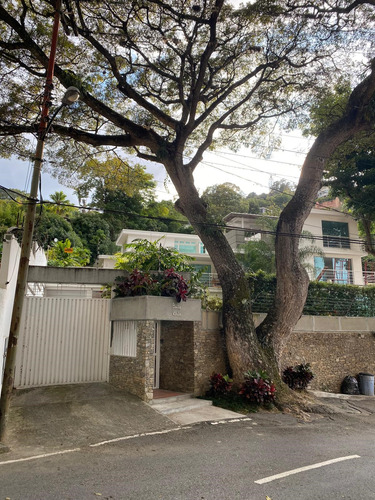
189, 244
335, 233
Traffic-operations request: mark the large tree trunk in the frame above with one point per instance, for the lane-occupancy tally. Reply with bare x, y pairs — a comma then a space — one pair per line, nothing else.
292, 279
246, 348
243, 348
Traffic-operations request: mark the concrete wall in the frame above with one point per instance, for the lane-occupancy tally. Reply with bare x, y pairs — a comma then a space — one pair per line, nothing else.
136, 375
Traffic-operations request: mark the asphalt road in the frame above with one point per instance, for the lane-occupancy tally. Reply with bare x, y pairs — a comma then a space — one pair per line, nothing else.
211, 462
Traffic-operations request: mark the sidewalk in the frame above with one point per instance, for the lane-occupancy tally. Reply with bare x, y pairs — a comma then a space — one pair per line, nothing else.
49, 419
53, 419
347, 403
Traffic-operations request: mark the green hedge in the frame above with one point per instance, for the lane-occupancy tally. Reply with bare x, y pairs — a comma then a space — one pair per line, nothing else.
323, 299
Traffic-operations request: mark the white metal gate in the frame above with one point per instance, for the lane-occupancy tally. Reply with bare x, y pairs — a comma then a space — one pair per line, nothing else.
63, 341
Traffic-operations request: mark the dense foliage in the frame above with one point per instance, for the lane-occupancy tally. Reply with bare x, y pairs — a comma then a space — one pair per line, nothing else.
258, 388
350, 172
323, 299
148, 255
298, 377
94, 232
220, 385
62, 254
165, 284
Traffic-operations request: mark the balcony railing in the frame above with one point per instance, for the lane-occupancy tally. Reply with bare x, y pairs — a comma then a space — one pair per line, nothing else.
369, 277
210, 279
340, 276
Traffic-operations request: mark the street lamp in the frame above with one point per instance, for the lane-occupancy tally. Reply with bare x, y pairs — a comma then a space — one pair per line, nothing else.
70, 97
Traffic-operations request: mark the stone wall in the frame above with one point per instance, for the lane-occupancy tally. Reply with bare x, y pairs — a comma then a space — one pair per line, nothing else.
136, 375
177, 356
332, 355
334, 346
209, 351
190, 353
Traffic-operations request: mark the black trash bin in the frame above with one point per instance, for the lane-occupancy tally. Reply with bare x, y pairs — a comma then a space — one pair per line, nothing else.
350, 386
366, 384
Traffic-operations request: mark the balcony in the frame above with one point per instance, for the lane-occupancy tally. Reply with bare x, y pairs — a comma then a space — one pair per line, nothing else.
340, 276
343, 277
369, 277
210, 279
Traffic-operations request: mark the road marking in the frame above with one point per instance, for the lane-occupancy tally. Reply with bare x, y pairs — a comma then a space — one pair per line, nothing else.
303, 469
231, 421
124, 438
63, 452
36, 457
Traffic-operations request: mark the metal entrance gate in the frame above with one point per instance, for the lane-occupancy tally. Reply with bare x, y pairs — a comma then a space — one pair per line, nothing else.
63, 341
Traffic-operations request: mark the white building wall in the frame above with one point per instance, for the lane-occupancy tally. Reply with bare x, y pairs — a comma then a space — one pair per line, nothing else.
8, 280
167, 240
313, 225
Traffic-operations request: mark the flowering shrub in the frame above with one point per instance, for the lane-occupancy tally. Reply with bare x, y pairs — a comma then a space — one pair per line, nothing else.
258, 388
173, 284
165, 284
136, 284
298, 377
220, 385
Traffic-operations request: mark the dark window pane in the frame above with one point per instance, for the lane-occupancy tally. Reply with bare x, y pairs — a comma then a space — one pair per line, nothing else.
335, 234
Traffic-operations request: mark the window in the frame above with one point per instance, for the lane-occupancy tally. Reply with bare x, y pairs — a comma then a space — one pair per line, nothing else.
186, 246
202, 248
335, 270
124, 338
206, 271
335, 234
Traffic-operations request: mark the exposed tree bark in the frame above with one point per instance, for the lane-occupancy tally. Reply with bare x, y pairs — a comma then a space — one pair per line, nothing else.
292, 279
243, 348
168, 82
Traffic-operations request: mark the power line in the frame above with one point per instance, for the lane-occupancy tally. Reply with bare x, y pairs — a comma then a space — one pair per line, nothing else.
206, 224
184, 222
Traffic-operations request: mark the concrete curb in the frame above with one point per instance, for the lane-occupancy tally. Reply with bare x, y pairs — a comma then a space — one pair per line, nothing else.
321, 394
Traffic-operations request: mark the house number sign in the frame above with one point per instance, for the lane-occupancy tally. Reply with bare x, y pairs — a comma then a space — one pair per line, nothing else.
176, 310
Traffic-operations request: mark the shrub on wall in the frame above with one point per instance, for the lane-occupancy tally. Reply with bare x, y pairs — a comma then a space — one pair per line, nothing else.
165, 284
323, 299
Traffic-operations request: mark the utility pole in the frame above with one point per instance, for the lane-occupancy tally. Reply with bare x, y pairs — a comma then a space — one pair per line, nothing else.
26, 245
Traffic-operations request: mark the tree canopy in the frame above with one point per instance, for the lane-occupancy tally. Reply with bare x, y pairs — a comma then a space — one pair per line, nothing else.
62, 254
157, 75
350, 172
224, 198
167, 80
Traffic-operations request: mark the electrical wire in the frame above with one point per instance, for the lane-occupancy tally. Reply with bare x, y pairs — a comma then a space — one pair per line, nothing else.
205, 224
8, 191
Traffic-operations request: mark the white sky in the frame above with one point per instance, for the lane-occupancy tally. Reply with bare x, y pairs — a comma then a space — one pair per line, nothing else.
244, 169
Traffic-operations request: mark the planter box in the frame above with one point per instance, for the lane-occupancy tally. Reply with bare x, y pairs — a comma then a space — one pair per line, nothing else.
148, 307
